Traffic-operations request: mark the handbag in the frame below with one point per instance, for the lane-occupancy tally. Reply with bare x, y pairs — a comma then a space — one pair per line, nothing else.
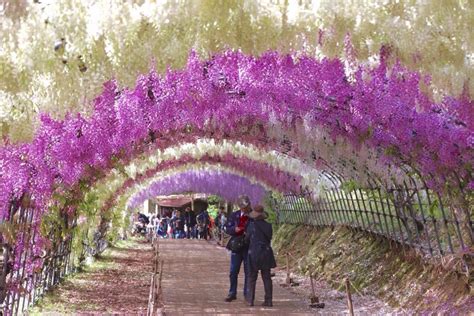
236, 244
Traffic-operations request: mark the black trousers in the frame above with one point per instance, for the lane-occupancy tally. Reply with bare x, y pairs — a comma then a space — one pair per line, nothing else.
252, 282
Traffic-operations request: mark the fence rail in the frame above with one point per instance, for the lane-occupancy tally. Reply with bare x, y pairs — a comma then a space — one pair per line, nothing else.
22, 285
156, 278
413, 217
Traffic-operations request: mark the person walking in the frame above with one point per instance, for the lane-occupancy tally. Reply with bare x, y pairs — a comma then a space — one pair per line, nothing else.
203, 224
163, 227
190, 221
156, 224
220, 221
210, 228
179, 225
259, 236
235, 227
172, 225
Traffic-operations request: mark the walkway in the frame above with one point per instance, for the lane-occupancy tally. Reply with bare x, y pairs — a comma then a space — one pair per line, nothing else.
196, 281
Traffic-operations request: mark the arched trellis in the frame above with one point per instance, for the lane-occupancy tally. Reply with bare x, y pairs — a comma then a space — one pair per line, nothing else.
231, 154
219, 181
207, 95
399, 223
225, 150
278, 100
240, 153
278, 168
266, 176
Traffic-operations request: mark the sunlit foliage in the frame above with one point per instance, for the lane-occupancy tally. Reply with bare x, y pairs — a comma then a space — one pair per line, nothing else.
55, 55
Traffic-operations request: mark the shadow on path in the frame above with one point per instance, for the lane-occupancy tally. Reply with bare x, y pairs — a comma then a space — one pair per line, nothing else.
117, 283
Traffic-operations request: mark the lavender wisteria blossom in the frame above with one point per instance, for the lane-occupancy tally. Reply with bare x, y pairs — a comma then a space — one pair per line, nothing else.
227, 185
236, 96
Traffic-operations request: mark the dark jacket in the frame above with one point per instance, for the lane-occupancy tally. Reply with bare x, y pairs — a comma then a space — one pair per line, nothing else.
179, 222
190, 219
217, 220
142, 218
232, 222
259, 235
203, 218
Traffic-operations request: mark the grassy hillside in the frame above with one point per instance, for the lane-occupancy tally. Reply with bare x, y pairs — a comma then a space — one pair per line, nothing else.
374, 266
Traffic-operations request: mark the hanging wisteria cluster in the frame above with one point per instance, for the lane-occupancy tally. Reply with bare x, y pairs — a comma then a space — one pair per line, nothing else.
264, 174
232, 95
209, 147
287, 174
278, 171
276, 179
257, 173
225, 184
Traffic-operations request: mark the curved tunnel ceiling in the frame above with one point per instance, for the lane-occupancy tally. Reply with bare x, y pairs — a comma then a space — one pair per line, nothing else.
300, 106
232, 154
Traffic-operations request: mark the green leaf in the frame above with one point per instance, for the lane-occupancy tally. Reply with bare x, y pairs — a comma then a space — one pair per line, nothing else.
349, 186
432, 210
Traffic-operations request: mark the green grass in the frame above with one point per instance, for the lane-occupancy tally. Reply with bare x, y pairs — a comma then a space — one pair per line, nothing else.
128, 243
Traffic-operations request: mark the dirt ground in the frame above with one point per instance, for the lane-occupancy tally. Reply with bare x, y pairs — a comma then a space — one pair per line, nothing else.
117, 283
335, 302
195, 282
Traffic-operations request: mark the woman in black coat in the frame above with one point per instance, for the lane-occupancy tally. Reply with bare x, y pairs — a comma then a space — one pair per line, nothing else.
259, 235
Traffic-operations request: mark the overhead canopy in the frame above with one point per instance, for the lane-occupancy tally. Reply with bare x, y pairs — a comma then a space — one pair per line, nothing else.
174, 202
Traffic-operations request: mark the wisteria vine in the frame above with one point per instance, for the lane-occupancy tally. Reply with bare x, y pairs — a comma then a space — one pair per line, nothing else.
233, 91
222, 183
240, 97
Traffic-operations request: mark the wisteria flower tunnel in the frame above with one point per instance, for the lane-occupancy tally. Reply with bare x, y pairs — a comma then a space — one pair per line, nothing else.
367, 149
